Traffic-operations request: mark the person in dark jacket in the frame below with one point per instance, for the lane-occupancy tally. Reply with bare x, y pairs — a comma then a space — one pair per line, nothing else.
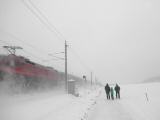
112, 93
107, 89
117, 89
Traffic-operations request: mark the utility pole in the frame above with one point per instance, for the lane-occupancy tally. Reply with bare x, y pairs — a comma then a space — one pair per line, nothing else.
91, 78
66, 75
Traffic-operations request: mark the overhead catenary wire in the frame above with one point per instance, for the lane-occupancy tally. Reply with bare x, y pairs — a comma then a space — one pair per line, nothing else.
80, 60
49, 26
28, 44
40, 58
24, 42
56, 57
31, 54
21, 49
44, 21
56, 30
4, 42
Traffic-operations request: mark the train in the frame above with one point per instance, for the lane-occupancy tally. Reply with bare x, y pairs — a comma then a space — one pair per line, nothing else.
21, 68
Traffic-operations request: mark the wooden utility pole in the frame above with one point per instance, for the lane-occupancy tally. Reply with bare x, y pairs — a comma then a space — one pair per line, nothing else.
66, 74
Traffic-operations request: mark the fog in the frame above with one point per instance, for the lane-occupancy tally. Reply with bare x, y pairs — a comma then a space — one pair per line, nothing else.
117, 40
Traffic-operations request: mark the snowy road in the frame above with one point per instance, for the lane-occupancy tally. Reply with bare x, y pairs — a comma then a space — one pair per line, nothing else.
133, 104
110, 110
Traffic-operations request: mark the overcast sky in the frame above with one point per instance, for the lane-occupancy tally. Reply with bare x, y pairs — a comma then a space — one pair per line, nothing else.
118, 40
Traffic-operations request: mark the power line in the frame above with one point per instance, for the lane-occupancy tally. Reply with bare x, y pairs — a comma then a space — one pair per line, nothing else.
48, 25
80, 60
60, 58
46, 19
24, 42
22, 49
16, 38
38, 58
5, 42
31, 54
45, 22
31, 46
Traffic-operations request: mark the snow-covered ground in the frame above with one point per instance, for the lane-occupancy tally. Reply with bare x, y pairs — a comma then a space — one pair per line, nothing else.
133, 104
90, 105
51, 105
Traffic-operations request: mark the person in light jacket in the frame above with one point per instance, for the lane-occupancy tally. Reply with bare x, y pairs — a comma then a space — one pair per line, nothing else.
112, 93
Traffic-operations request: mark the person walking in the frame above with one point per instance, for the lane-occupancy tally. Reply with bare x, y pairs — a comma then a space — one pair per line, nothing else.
107, 89
112, 93
117, 89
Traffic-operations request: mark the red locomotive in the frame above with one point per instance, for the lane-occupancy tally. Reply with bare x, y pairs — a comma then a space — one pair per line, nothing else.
18, 67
